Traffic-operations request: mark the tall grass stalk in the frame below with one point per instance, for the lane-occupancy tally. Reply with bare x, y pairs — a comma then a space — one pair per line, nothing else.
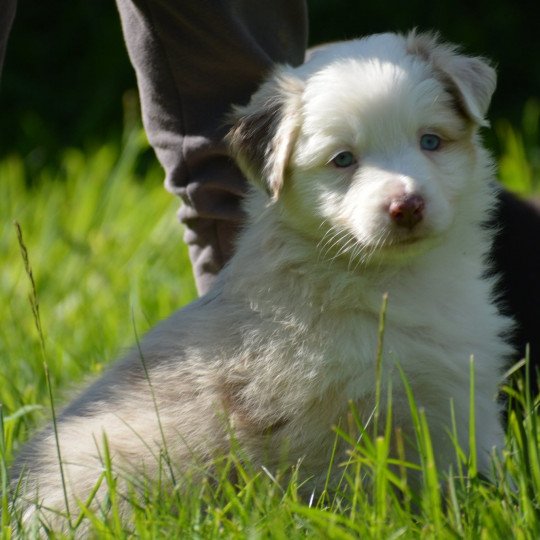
34, 303
379, 360
4, 476
164, 450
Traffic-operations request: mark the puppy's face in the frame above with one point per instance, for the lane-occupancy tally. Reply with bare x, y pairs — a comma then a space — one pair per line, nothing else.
370, 146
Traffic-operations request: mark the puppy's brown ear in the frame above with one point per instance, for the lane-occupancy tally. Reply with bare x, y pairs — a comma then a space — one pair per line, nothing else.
471, 80
263, 132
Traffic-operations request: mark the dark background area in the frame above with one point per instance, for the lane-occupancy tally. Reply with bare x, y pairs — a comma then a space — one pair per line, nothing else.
67, 77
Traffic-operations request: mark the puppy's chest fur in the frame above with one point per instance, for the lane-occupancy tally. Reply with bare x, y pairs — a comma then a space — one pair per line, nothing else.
310, 359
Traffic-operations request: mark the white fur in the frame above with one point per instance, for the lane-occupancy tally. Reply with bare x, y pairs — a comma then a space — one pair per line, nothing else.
288, 336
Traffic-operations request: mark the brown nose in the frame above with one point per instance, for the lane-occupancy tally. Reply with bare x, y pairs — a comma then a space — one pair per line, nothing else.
407, 211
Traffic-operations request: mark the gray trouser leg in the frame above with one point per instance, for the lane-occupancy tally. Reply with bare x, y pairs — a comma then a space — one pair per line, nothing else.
194, 59
7, 14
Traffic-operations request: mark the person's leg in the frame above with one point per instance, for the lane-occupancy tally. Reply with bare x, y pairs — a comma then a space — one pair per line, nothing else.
7, 14
194, 59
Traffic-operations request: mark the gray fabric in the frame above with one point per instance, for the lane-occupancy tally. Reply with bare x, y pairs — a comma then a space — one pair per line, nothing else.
7, 14
193, 59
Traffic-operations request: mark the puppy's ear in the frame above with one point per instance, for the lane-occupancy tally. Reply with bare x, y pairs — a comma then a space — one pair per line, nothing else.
471, 80
263, 132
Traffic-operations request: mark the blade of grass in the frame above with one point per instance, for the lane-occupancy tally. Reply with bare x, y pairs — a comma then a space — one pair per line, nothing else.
4, 476
473, 461
165, 452
378, 362
34, 303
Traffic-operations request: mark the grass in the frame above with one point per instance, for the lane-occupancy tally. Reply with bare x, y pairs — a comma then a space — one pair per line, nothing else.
106, 256
519, 162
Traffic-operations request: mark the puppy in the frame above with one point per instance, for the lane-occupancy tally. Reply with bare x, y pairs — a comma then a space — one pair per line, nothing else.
369, 178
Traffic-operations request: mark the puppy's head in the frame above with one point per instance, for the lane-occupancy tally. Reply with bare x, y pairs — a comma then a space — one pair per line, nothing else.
370, 147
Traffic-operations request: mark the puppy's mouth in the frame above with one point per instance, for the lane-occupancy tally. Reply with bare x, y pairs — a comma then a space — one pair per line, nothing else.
404, 241
408, 243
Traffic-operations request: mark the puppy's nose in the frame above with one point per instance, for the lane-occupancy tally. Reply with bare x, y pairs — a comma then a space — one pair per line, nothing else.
407, 211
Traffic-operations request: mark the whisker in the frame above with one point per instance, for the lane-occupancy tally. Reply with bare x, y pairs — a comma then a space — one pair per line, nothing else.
328, 235
334, 240
345, 247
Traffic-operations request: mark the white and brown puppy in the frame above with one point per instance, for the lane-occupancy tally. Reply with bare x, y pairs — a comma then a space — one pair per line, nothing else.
371, 179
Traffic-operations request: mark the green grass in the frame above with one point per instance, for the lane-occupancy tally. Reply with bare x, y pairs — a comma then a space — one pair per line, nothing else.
107, 254
519, 162
107, 258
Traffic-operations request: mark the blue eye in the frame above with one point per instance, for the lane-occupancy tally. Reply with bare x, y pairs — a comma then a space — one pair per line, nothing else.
430, 142
343, 160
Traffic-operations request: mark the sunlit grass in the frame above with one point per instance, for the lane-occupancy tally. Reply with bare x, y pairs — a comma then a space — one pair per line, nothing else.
107, 252
519, 163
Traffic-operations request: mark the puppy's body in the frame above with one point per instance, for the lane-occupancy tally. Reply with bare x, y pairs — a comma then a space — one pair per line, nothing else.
288, 336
